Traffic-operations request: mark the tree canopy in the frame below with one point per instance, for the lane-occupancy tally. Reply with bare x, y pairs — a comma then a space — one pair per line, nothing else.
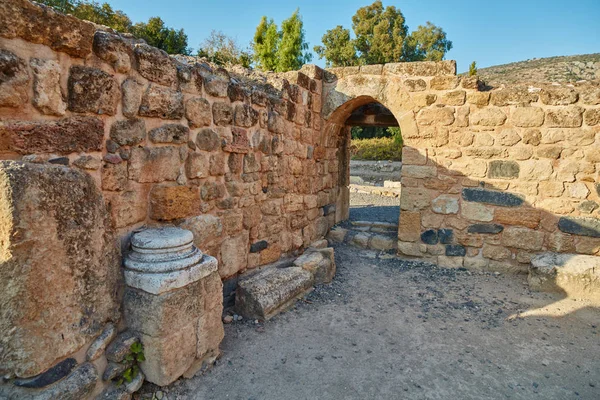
154, 31
223, 50
280, 50
381, 36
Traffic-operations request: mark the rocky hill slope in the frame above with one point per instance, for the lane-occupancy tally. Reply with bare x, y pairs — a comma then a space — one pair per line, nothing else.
550, 69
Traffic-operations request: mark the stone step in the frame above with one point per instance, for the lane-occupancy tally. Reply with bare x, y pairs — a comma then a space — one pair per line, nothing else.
275, 288
573, 275
378, 241
374, 226
271, 291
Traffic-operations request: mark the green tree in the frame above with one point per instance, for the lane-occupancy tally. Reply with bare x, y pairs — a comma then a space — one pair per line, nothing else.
427, 43
338, 49
265, 45
473, 69
381, 36
223, 50
280, 50
156, 34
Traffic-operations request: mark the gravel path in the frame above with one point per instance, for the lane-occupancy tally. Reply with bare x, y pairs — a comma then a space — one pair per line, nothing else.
372, 207
395, 329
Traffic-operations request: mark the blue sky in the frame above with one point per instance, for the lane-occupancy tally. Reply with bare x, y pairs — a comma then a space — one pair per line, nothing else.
487, 31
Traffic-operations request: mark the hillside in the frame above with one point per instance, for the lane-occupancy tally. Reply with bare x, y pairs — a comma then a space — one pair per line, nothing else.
550, 69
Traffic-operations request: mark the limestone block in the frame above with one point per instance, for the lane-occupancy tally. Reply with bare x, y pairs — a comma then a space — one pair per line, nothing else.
566, 117
592, 117
523, 238
476, 211
500, 169
518, 95
445, 204
131, 99
154, 164
114, 176
216, 85
528, 217
170, 133
161, 102
155, 64
42, 274
113, 49
488, 117
63, 136
536, 170
478, 98
47, 93
453, 98
527, 117
497, 253
582, 226
15, 80
559, 96
222, 113
409, 228
436, 116
128, 208
173, 202
128, 132
234, 254
245, 116
271, 291
92, 90
576, 275
337, 234
198, 112
319, 262
443, 82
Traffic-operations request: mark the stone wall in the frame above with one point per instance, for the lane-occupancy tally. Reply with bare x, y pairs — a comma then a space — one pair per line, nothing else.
490, 177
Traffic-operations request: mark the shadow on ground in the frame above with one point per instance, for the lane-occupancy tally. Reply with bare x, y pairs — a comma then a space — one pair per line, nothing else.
401, 329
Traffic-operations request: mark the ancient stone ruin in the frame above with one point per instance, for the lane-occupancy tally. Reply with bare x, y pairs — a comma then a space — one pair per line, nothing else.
139, 193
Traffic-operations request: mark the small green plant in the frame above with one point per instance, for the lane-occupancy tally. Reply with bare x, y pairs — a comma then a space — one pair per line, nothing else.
135, 356
473, 69
377, 149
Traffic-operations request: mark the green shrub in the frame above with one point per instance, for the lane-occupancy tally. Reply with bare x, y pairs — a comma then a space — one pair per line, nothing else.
376, 149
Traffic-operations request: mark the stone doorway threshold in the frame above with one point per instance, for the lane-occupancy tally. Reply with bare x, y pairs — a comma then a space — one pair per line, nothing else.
388, 328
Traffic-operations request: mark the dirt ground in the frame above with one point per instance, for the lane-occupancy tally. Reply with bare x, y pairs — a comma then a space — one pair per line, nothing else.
387, 328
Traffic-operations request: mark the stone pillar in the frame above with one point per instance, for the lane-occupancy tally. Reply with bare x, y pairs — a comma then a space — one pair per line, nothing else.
173, 301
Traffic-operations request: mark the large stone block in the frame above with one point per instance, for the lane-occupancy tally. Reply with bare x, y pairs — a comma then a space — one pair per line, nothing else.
500, 169
504, 199
559, 96
154, 164
47, 93
234, 254
57, 254
36, 23
64, 136
173, 202
566, 117
523, 238
198, 112
128, 132
170, 133
525, 216
161, 102
528, 117
582, 226
271, 291
320, 263
488, 117
155, 64
92, 90
113, 49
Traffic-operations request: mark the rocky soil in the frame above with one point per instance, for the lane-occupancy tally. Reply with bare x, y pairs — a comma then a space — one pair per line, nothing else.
387, 328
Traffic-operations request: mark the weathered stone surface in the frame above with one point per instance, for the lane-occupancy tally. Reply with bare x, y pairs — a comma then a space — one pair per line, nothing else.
197, 165
14, 80
455, 250
527, 117
113, 49
128, 132
566, 117
415, 85
592, 117
121, 346
47, 94
205, 228
529, 217
67, 135
87, 162
503, 169
446, 236
443, 82
488, 117
429, 236
222, 113
98, 346
523, 238
80, 267
216, 85
320, 263
582, 226
234, 254
575, 275
445, 204
492, 197
41, 24
56, 373
155, 164
155, 64
485, 228
170, 133
435, 116
454, 98
476, 212
160, 102
244, 115
114, 176
128, 208
131, 100
518, 95
92, 90
271, 291
198, 112
208, 140
173, 202
559, 96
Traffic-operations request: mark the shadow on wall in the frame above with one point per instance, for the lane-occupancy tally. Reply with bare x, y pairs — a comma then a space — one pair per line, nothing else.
457, 221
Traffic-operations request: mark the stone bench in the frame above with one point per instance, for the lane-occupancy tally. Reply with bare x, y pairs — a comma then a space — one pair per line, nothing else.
577, 276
